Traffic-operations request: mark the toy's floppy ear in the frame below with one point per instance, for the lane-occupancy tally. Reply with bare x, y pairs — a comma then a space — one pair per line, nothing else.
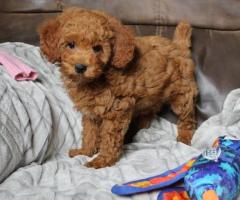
123, 47
49, 38
156, 182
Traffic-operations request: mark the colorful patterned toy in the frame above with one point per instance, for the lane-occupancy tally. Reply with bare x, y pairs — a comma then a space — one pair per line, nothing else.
214, 175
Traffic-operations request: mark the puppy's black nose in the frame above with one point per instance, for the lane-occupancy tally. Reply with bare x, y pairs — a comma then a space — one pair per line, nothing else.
79, 68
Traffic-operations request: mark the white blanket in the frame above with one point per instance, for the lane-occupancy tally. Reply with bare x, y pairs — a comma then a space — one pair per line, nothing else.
39, 125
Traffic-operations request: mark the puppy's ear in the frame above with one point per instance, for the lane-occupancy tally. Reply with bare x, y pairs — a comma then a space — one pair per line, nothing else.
123, 47
49, 38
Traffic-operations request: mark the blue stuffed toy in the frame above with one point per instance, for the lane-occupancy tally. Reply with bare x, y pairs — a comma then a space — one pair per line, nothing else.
214, 175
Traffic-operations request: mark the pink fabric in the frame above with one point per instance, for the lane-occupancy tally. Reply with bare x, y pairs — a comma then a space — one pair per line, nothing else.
16, 68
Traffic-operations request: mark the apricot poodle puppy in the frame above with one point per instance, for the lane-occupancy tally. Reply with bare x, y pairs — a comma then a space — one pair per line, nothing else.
119, 81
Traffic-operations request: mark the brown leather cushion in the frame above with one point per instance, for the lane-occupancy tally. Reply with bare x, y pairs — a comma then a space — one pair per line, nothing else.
218, 14
216, 35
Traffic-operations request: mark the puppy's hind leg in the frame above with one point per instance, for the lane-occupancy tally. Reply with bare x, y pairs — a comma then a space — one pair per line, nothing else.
183, 105
90, 141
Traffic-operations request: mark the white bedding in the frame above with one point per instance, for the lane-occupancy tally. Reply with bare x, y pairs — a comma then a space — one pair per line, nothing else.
39, 125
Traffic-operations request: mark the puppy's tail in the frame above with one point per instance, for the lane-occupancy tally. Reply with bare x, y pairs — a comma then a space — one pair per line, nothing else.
182, 35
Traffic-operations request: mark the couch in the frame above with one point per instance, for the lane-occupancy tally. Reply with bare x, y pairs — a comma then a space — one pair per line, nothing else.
215, 50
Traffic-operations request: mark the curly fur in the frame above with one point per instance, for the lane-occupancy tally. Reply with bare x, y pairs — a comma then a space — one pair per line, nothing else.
125, 84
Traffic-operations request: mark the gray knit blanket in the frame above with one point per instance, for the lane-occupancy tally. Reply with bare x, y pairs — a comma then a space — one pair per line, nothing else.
38, 125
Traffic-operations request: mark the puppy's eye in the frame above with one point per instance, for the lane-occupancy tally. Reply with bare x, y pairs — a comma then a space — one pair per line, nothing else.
71, 45
97, 48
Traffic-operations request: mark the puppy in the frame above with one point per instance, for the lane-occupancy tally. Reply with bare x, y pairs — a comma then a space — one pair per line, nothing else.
119, 81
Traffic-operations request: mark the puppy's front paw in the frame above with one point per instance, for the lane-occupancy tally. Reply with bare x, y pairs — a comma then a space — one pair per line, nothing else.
101, 161
75, 152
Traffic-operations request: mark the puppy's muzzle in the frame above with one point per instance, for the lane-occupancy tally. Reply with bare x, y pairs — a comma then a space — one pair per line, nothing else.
80, 69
